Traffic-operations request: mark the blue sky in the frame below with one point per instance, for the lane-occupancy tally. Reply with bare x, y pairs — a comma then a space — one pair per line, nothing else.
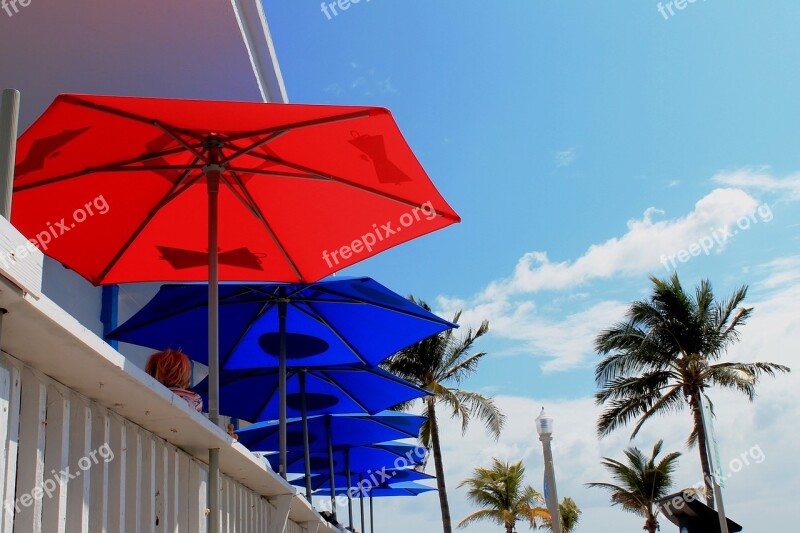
583, 143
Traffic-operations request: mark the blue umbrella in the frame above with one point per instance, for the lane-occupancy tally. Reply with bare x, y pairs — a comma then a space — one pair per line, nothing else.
340, 320
338, 430
323, 432
388, 477
366, 465
400, 489
367, 459
252, 395
331, 322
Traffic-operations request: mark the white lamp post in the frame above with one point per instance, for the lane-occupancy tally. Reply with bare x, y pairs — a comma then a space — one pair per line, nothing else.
544, 427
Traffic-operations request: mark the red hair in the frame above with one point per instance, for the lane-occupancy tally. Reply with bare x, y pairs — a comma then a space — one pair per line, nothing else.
171, 367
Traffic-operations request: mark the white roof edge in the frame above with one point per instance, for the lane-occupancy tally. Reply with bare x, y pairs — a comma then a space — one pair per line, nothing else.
260, 48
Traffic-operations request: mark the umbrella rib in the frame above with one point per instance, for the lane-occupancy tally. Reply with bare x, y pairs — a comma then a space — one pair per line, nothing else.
323, 374
333, 329
348, 183
238, 152
260, 216
272, 391
175, 312
160, 168
306, 124
264, 308
380, 421
77, 100
91, 170
239, 196
164, 201
381, 373
387, 307
168, 130
258, 172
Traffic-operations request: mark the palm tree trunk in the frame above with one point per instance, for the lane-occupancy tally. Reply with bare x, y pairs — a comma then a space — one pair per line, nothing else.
509, 528
651, 525
701, 445
437, 461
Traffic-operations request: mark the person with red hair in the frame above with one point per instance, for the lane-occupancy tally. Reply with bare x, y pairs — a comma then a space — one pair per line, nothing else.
174, 370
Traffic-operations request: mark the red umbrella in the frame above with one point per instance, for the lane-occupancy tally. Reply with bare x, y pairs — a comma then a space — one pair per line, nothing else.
304, 190
141, 189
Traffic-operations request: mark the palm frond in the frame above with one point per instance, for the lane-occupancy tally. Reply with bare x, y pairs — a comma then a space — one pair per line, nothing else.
640, 481
483, 409
666, 350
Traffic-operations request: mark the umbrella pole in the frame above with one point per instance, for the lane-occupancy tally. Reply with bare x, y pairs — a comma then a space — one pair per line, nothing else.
212, 172
361, 502
349, 485
282, 385
306, 452
371, 515
331, 470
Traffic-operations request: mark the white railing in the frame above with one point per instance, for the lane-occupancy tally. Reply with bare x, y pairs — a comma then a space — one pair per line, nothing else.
70, 465
89, 443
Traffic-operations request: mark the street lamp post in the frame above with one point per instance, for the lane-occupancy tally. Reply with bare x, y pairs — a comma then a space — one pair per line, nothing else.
544, 427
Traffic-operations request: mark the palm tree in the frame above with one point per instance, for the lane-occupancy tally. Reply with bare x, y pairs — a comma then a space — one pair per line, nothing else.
504, 500
666, 355
640, 482
439, 364
570, 516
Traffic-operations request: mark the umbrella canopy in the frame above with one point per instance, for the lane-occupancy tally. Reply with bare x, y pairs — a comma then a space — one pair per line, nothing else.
401, 489
364, 459
335, 321
252, 395
303, 190
386, 477
345, 431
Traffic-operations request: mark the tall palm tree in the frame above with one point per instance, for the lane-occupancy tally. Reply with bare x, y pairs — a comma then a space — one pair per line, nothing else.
666, 354
504, 499
640, 482
570, 516
439, 364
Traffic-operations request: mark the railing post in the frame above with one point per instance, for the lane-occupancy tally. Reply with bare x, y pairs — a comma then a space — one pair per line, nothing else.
2, 313
9, 118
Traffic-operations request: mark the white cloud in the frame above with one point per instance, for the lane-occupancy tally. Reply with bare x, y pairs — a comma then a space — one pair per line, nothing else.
781, 272
566, 158
646, 246
565, 342
762, 180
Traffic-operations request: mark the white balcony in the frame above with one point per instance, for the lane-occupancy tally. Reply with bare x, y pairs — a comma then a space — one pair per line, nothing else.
90, 443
